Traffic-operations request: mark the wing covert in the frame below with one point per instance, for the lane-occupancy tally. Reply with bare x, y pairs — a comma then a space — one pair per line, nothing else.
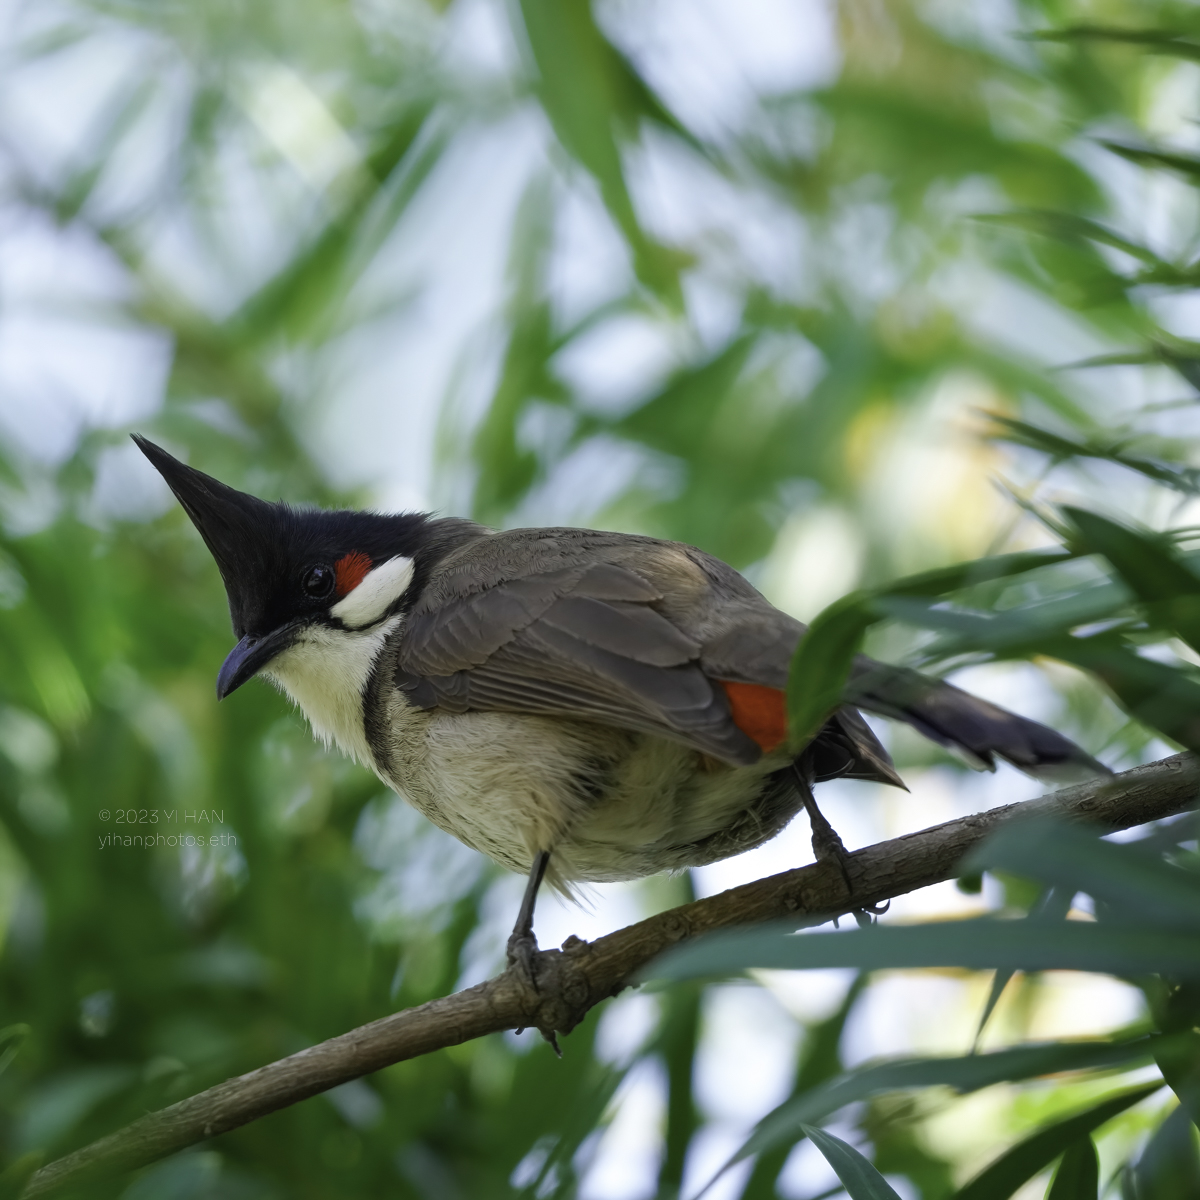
586, 641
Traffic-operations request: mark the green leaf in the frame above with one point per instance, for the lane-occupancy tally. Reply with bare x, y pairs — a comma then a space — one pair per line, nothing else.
1136, 884
1017, 631
1183, 479
1071, 228
18, 1173
1023, 1161
678, 419
968, 1073
1054, 904
1150, 156
1157, 41
980, 570
676, 1044
1178, 1058
586, 87
821, 665
307, 298
984, 942
1151, 568
1160, 696
1078, 1174
824, 660
12, 1038
859, 1178
1169, 1167
574, 1127
820, 1060
507, 469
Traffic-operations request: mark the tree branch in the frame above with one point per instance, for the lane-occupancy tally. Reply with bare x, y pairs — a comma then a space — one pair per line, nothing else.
574, 979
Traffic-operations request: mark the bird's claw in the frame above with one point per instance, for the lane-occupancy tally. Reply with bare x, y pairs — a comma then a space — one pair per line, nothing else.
522, 952
828, 847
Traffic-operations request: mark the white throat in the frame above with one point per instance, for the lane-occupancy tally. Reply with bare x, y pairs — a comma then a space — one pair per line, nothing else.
326, 672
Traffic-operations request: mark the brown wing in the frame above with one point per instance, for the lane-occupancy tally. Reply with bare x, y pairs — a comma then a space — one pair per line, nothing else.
659, 637
545, 625
633, 632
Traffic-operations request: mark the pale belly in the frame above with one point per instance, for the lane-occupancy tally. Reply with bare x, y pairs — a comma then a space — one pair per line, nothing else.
609, 804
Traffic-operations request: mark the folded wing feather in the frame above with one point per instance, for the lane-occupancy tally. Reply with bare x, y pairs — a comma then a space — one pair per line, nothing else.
656, 637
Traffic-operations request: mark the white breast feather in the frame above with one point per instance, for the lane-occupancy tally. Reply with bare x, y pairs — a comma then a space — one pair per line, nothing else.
325, 673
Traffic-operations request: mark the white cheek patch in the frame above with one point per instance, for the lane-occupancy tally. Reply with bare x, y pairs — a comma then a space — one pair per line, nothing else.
379, 590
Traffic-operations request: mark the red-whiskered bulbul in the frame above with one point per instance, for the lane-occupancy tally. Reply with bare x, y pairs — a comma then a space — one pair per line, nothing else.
591, 706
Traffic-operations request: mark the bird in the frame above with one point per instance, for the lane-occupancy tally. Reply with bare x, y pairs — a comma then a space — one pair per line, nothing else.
579, 706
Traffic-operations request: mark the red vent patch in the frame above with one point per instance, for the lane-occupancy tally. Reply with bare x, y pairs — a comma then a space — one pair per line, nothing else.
351, 571
759, 712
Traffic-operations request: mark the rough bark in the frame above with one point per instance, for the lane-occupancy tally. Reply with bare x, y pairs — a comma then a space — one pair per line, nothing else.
572, 980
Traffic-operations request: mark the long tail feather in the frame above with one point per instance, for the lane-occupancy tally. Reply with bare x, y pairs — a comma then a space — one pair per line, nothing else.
980, 731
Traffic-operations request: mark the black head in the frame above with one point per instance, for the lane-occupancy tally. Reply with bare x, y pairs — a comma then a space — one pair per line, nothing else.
286, 568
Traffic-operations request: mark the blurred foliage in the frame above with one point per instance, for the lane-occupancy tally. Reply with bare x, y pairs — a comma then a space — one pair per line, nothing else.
818, 316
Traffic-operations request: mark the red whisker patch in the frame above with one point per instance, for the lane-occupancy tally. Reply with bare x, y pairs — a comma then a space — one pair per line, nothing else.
759, 712
351, 570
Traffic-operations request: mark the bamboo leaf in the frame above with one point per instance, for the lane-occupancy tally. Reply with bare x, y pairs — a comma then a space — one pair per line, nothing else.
824, 660
1023, 1161
1053, 905
1071, 227
1151, 568
585, 88
1060, 448
12, 1039
976, 944
1150, 156
821, 666
965, 1074
1137, 885
980, 570
1169, 1167
1157, 41
859, 1177
1162, 697
1078, 1173
17, 1174
820, 1061
1178, 1058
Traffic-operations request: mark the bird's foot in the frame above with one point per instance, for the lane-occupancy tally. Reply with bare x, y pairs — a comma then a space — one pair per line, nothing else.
522, 953
828, 847
522, 945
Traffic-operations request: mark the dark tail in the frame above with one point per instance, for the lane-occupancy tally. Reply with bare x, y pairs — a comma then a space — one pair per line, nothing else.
979, 731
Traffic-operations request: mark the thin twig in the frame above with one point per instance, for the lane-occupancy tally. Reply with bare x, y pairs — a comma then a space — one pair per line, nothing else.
580, 975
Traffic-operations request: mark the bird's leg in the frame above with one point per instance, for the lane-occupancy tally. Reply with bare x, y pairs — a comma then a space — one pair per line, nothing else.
522, 945
827, 846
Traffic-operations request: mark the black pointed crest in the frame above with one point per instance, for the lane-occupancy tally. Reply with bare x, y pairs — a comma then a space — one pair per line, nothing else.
236, 527
263, 549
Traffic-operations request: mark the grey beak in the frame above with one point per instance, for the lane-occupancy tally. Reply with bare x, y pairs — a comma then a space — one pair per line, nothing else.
250, 655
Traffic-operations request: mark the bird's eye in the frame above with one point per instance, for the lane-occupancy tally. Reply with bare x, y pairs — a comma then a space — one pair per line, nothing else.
318, 581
